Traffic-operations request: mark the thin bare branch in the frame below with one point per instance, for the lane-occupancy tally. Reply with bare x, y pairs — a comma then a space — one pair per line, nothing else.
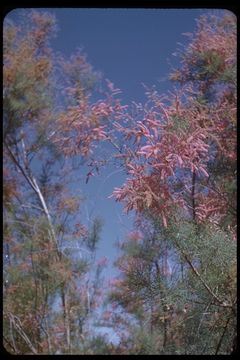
210, 291
29, 181
18, 326
222, 336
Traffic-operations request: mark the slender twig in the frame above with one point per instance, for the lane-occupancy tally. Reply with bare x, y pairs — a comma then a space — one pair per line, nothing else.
193, 195
47, 334
222, 195
45, 208
12, 337
201, 320
9, 344
114, 144
209, 338
19, 329
31, 206
222, 336
221, 303
207, 287
19, 166
202, 303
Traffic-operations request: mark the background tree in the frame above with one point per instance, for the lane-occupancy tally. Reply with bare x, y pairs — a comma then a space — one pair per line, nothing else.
177, 289
180, 159
143, 292
49, 127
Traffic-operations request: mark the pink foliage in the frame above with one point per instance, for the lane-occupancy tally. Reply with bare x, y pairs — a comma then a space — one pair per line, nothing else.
107, 315
102, 262
135, 235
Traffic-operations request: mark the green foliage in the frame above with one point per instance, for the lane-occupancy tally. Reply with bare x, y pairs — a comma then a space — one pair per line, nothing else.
209, 65
97, 345
191, 307
179, 123
145, 343
177, 289
46, 293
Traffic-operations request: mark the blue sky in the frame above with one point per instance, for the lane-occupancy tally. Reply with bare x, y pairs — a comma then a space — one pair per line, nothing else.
129, 47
